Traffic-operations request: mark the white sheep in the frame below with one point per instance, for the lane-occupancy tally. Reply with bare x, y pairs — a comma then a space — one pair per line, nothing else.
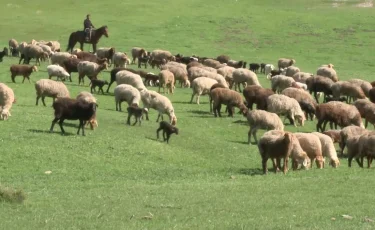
6, 101
284, 105
201, 86
152, 99
195, 72
291, 70
57, 71
227, 73
244, 76
89, 69
268, 68
327, 72
128, 93
59, 57
311, 144
50, 88
260, 119
301, 77
120, 59
126, 77
328, 149
159, 55
285, 63
281, 82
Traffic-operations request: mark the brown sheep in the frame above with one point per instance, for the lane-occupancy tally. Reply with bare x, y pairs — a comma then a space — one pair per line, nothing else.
166, 79
227, 97
334, 135
137, 52
347, 89
223, 58
317, 84
349, 132
22, 70
285, 63
258, 95
371, 95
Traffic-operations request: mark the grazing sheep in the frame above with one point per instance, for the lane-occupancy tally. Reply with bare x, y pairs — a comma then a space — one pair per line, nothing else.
166, 79
144, 60
327, 72
87, 56
47, 50
126, 92
349, 132
213, 63
353, 146
347, 89
88, 98
301, 77
59, 58
229, 98
291, 70
13, 47
281, 82
277, 144
317, 84
305, 100
72, 109
236, 64
365, 85
168, 130
57, 71
367, 110
285, 63
162, 104
223, 59
227, 73
268, 68
194, 64
179, 71
260, 119
244, 76
32, 51
162, 54
284, 105
158, 63
106, 53
328, 149
137, 52
127, 77
6, 101
339, 113
98, 83
201, 86
137, 113
366, 148
22, 70
258, 95
311, 144
120, 59
255, 67
195, 72
50, 88
89, 69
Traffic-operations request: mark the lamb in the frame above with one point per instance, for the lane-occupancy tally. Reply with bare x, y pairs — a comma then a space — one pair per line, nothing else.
258, 95
162, 54
162, 104
195, 72
32, 51
285, 63
317, 84
59, 57
349, 132
166, 79
311, 144
49, 88
301, 77
348, 89
168, 130
291, 70
13, 46
6, 101
179, 71
284, 105
245, 77
268, 68
98, 83
137, 52
128, 93
151, 79
87, 97
86, 56
201, 86
58, 71
71, 65
107, 53
327, 72
237, 64
227, 73
127, 77
223, 59
260, 119
328, 149
365, 85
72, 109
137, 113
305, 100
277, 144
339, 113
120, 59
227, 97
255, 67
89, 69
280, 82
22, 70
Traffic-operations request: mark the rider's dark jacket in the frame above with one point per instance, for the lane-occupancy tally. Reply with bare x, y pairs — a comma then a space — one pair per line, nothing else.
87, 24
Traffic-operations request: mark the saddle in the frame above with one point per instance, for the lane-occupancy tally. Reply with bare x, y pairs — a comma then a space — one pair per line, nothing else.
88, 33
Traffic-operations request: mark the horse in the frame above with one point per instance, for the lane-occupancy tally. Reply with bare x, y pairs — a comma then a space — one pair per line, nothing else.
79, 36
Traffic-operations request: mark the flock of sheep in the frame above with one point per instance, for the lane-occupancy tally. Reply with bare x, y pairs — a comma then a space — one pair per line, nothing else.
293, 94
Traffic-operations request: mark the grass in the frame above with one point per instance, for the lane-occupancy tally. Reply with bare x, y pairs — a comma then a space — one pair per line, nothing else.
121, 177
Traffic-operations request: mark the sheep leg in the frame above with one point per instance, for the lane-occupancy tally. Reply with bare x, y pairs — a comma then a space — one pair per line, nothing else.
53, 124
319, 125
128, 120
101, 89
37, 100
218, 108
164, 135
366, 123
168, 136
254, 132
44, 103
109, 85
285, 166
61, 127
264, 165
13, 78
81, 126
249, 135
369, 161
316, 97
136, 120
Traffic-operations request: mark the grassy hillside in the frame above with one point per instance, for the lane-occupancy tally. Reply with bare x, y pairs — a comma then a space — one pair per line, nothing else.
207, 177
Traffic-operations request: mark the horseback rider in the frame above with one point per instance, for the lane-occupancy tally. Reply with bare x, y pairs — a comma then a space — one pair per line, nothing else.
87, 27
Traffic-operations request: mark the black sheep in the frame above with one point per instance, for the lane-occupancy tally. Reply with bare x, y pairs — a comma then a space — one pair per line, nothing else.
254, 67
308, 108
72, 109
98, 83
263, 68
168, 129
143, 60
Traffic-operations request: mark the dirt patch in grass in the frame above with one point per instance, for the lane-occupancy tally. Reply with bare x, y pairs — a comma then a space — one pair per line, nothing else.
364, 4
11, 195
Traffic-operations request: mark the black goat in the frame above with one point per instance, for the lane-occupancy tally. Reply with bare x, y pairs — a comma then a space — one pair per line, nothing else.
168, 129
263, 68
98, 83
2, 54
137, 113
308, 108
143, 60
254, 67
72, 109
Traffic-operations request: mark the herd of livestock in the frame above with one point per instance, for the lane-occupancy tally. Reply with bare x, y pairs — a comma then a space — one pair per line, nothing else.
293, 94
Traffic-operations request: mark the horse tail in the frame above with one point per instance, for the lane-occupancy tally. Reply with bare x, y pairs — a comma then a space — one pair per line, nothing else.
70, 42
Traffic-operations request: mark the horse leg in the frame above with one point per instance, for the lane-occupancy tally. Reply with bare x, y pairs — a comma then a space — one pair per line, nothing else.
81, 45
94, 47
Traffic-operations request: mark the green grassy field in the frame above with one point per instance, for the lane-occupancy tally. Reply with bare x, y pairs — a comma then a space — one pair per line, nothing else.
208, 177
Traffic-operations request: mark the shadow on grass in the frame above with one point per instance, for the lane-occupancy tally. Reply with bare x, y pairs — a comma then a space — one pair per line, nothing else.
252, 172
200, 112
241, 122
48, 132
243, 142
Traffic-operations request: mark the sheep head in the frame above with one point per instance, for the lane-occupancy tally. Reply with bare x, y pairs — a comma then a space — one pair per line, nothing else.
292, 61
334, 163
34, 68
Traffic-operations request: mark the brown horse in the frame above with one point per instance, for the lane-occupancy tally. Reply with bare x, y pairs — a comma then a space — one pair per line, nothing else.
79, 36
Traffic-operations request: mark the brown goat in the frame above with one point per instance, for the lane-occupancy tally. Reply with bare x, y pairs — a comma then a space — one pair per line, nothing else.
258, 95
22, 70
